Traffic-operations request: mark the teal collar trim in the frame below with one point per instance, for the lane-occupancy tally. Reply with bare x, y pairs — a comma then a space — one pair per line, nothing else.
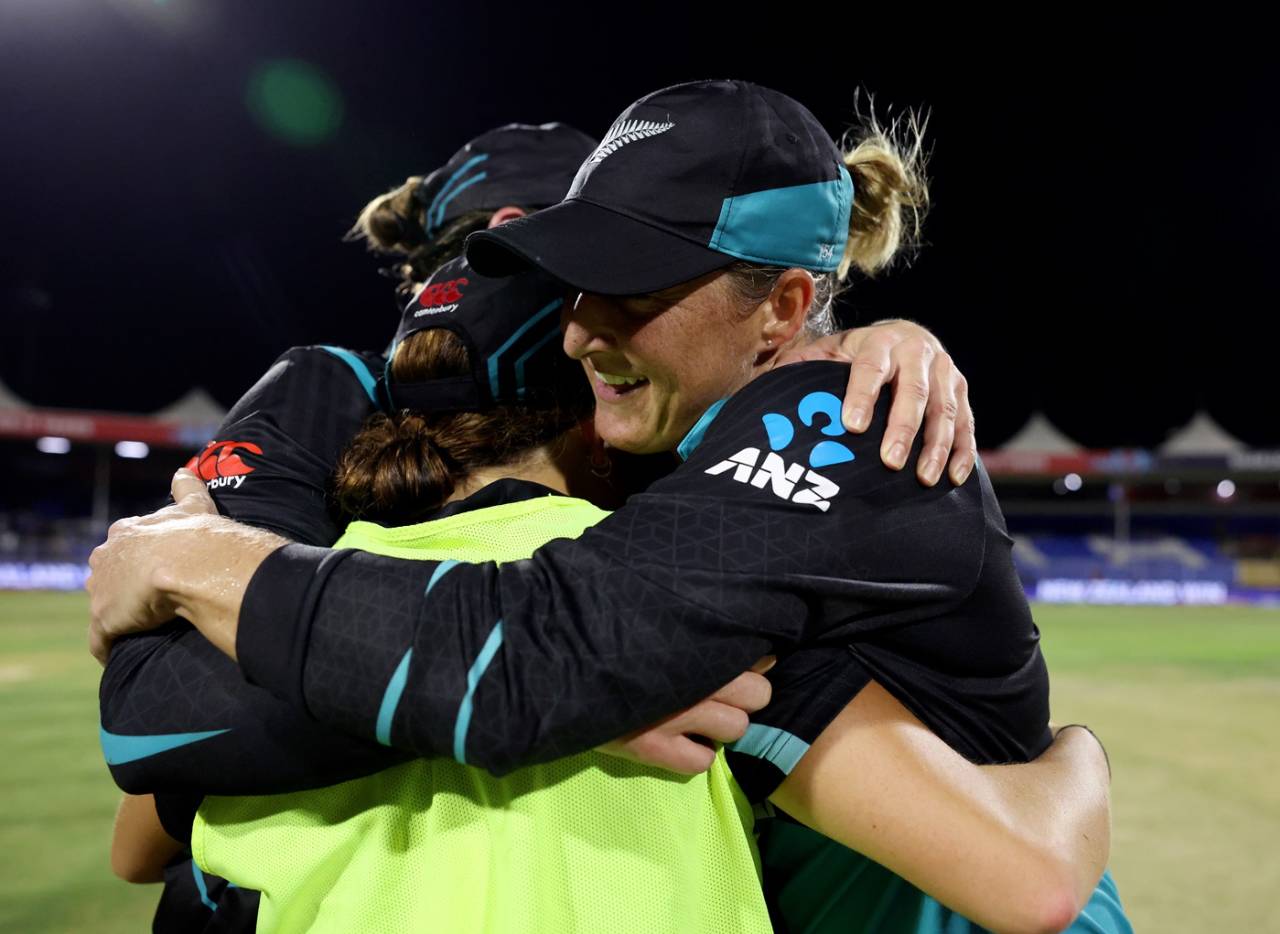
694, 438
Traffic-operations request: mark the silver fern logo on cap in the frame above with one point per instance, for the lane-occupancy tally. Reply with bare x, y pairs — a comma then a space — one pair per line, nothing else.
626, 131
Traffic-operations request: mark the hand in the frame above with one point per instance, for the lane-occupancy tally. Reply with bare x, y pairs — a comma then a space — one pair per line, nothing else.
677, 743
126, 580
927, 387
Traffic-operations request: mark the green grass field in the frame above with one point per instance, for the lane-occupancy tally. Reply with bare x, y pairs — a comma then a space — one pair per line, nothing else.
1187, 700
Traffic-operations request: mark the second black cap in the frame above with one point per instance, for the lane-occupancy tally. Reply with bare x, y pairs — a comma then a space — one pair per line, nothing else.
521, 164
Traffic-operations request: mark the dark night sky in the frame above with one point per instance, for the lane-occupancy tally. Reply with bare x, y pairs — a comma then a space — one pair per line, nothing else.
1106, 194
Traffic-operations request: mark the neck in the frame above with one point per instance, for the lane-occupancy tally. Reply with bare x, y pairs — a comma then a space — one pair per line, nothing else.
562, 465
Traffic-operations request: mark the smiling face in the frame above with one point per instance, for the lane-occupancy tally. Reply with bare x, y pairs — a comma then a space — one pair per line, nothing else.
656, 362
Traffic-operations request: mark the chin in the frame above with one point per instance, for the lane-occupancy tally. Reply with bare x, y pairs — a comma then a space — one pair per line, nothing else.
631, 438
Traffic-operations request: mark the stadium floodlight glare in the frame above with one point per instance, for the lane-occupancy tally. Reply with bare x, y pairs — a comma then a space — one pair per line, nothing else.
134, 450
52, 445
1226, 489
1072, 482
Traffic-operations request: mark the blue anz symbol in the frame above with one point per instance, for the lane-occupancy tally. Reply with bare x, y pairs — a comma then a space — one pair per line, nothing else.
798, 483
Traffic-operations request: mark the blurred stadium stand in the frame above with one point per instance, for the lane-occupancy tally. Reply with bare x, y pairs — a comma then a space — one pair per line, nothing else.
1195, 521
65, 474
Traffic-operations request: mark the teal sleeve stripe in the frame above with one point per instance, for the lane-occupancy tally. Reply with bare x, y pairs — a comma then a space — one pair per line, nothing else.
443, 568
1103, 914
120, 750
463, 723
358, 366
391, 700
202, 888
520, 331
781, 748
699, 431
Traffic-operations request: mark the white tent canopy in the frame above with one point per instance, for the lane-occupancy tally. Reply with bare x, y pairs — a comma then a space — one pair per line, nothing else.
1202, 435
1039, 436
196, 407
10, 401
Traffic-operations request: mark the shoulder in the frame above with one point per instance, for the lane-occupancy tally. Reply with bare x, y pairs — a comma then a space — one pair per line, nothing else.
309, 378
783, 432
778, 447
359, 368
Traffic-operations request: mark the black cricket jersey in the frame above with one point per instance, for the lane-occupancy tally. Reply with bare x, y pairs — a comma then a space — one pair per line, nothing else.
780, 532
272, 460
269, 465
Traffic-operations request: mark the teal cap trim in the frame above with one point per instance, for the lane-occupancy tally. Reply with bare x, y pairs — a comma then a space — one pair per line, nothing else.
524, 358
391, 700
360, 368
520, 332
772, 744
444, 190
699, 431
478, 177
120, 749
463, 723
800, 225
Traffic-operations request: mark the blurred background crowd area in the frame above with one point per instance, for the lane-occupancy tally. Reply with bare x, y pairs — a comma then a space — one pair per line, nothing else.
1194, 521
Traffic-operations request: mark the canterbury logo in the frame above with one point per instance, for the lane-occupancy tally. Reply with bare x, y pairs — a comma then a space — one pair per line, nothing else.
627, 131
219, 465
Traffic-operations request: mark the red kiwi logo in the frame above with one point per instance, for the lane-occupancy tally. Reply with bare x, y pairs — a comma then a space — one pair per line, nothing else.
442, 293
219, 459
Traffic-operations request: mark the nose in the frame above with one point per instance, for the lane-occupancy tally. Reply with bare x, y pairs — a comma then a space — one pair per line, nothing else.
587, 321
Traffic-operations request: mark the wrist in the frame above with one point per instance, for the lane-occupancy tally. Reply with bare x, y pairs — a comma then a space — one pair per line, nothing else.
209, 568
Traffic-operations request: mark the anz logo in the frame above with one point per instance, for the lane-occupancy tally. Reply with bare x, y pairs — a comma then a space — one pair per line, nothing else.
798, 483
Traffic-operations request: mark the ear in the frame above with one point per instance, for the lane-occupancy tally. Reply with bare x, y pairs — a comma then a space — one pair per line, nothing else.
507, 213
786, 308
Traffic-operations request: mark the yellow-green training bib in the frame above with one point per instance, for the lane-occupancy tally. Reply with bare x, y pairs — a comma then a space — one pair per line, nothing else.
589, 844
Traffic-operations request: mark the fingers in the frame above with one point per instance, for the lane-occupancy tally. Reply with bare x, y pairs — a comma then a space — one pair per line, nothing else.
717, 721
964, 454
99, 643
764, 664
909, 369
750, 691
940, 421
676, 753
190, 492
871, 369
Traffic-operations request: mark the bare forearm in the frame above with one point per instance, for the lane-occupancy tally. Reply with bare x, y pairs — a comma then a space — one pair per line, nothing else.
1061, 805
140, 847
206, 572
1014, 848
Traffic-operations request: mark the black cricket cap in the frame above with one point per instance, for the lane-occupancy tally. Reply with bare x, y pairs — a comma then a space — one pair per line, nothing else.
528, 166
687, 180
511, 329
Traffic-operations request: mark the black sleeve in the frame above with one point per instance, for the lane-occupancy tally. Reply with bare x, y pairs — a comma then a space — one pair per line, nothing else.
810, 688
273, 456
177, 716
177, 812
779, 529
